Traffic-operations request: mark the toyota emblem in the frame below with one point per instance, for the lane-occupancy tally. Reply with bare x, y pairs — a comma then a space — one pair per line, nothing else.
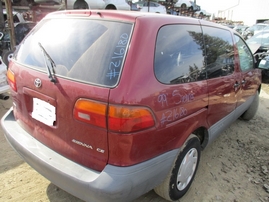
37, 83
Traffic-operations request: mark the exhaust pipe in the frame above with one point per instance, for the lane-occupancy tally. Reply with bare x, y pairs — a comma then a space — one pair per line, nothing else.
4, 97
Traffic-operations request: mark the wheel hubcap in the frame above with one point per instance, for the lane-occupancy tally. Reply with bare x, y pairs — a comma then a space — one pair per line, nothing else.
187, 169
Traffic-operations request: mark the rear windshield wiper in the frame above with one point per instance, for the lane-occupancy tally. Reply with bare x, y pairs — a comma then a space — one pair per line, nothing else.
50, 64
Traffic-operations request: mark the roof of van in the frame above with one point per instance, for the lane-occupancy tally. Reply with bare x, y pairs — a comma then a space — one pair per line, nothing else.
131, 16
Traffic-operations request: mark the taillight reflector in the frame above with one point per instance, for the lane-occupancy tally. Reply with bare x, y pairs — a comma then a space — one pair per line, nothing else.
129, 119
11, 80
91, 112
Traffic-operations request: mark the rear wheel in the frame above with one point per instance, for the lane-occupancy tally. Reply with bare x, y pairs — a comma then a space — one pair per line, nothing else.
183, 171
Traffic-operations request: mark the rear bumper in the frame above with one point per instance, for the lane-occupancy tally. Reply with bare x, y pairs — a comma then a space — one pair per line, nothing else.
112, 184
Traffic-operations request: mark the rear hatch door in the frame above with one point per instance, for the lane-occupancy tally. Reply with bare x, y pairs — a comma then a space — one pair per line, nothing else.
63, 77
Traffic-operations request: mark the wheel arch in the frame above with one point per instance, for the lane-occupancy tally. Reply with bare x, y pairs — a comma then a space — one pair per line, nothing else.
202, 134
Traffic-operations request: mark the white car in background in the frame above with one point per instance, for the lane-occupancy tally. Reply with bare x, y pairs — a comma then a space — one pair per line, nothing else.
92, 4
117, 5
183, 4
202, 14
4, 87
17, 17
100, 4
152, 7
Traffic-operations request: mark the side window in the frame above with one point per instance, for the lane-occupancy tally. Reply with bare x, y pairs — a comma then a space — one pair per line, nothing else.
219, 52
179, 55
245, 55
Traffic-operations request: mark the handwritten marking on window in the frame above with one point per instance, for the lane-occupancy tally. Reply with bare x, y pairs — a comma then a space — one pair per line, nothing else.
117, 57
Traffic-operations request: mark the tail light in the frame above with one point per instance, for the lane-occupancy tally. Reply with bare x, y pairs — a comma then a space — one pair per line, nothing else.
129, 119
11, 80
91, 112
123, 119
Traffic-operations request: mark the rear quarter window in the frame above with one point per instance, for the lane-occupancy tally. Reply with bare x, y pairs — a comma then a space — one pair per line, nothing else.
179, 55
90, 51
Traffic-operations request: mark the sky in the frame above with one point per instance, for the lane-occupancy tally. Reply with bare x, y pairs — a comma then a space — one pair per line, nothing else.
213, 6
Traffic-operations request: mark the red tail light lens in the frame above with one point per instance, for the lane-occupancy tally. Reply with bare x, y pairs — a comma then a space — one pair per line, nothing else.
11, 80
91, 112
129, 119
122, 119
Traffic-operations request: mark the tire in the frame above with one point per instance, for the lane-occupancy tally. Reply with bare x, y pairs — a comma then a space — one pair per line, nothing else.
111, 7
252, 110
179, 179
7, 56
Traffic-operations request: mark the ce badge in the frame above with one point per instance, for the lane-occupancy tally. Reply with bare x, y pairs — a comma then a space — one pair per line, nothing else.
38, 83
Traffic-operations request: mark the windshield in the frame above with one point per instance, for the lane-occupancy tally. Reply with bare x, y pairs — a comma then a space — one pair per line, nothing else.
90, 51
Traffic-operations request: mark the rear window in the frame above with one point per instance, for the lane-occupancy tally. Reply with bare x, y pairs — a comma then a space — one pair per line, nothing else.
90, 51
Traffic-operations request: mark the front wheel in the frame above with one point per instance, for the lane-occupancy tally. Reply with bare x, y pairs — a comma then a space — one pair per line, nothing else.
183, 171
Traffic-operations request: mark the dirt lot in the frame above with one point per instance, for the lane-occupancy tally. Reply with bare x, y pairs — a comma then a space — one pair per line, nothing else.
234, 168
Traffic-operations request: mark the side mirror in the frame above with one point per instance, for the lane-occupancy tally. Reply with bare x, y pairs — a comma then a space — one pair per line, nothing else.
264, 63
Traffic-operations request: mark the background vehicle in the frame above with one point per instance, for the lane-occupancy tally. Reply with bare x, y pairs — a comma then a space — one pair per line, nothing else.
17, 17
249, 32
183, 4
202, 13
260, 42
116, 5
135, 6
21, 30
194, 7
240, 28
4, 87
152, 7
100, 4
265, 29
93, 4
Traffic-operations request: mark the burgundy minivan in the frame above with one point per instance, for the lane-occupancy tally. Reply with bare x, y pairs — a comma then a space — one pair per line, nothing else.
108, 104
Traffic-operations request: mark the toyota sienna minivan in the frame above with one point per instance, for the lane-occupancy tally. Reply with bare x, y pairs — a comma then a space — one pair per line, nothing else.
109, 105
